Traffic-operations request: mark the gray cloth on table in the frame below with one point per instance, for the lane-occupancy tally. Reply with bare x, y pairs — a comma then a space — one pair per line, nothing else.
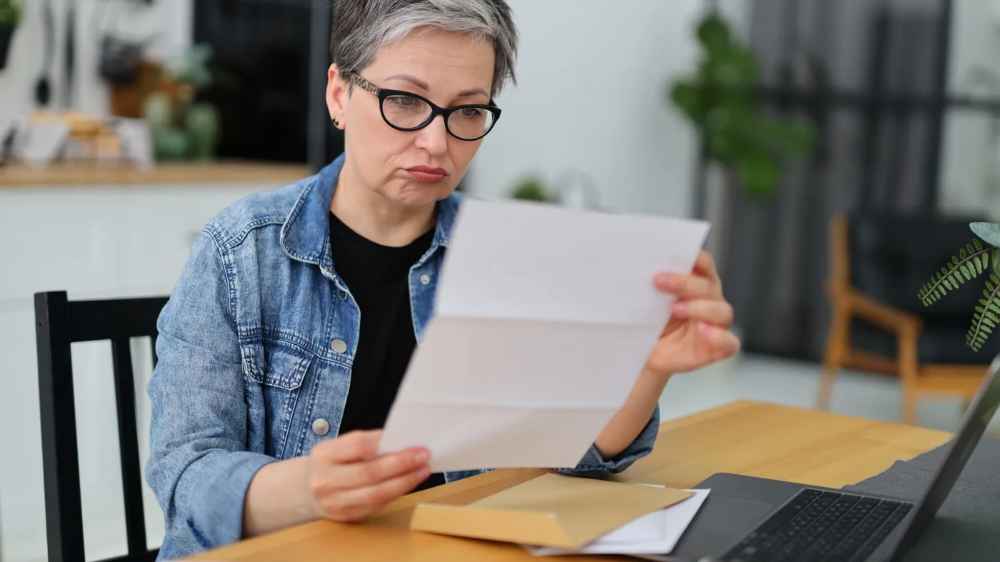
967, 526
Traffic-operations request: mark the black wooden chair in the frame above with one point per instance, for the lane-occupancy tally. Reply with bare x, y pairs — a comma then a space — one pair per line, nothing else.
58, 323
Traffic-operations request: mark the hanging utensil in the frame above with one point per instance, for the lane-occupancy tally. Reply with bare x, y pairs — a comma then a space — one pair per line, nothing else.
43, 88
70, 56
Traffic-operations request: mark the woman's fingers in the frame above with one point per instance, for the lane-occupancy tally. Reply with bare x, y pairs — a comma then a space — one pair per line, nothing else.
715, 312
702, 281
386, 467
351, 447
721, 341
687, 286
351, 505
349, 480
705, 264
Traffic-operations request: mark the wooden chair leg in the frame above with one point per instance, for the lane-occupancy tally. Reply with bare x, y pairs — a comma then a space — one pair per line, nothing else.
909, 407
836, 348
826, 386
908, 372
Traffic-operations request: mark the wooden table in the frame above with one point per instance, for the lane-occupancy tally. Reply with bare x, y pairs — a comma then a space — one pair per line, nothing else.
753, 438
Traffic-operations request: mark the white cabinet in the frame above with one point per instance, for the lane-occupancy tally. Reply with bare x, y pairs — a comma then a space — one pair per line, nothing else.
94, 241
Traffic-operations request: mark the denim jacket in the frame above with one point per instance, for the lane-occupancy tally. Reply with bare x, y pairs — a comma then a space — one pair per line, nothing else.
254, 357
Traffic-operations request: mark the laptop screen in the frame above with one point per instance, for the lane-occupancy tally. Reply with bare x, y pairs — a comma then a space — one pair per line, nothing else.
977, 417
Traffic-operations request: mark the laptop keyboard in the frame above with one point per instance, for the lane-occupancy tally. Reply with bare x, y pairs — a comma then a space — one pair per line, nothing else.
821, 526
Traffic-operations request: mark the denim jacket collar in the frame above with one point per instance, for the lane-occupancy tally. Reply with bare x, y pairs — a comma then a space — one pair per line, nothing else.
305, 233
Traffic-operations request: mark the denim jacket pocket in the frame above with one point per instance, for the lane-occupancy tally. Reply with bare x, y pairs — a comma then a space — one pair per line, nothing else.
278, 365
274, 374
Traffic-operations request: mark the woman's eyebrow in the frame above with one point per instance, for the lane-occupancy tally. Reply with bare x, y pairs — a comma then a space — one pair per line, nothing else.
411, 79
423, 85
473, 92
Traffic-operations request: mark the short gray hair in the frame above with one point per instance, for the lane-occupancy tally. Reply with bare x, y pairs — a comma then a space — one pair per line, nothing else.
359, 28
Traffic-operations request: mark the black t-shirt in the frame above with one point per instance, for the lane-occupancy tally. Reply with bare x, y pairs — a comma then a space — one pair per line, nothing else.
378, 277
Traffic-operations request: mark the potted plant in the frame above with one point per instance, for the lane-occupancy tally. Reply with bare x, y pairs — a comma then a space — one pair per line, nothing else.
182, 127
721, 102
973, 260
10, 16
742, 145
531, 188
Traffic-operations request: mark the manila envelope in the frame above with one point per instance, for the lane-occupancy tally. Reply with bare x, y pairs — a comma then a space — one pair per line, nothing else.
551, 510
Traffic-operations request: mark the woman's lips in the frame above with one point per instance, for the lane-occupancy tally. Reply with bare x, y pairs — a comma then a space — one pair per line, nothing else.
427, 174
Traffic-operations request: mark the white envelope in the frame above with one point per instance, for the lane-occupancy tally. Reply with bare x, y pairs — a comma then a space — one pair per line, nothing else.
655, 533
544, 319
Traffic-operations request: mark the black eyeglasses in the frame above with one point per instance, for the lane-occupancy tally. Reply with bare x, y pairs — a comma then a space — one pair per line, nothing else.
405, 111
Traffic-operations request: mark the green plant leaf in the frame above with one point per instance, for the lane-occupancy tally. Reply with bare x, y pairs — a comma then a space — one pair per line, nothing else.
530, 188
971, 261
10, 13
713, 32
986, 316
732, 69
988, 231
725, 127
759, 173
686, 96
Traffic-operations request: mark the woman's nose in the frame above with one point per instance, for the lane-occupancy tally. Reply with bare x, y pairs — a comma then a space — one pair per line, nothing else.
434, 137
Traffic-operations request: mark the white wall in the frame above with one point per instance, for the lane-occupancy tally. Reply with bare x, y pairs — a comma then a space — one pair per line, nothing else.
167, 21
971, 152
592, 97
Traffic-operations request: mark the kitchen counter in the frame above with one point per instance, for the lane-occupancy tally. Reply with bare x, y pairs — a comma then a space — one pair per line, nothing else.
90, 174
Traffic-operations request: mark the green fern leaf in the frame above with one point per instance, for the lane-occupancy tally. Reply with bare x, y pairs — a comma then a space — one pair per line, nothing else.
980, 261
994, 306
972, 260
987, 314
968, 271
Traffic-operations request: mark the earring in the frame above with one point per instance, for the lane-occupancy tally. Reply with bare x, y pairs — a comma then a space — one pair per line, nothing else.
336, 123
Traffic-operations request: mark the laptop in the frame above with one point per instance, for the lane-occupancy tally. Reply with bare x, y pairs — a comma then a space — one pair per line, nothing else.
751, 519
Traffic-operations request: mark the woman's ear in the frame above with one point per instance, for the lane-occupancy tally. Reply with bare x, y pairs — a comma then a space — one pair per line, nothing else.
336, 95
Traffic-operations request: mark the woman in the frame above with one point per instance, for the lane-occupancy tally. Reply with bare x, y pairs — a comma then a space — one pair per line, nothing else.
283, 344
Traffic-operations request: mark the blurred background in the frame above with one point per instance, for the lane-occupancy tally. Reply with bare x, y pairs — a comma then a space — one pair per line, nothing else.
840, 150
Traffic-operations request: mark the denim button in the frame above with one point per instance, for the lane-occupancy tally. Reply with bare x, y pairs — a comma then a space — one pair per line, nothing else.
425, 279
321, 427
339, 346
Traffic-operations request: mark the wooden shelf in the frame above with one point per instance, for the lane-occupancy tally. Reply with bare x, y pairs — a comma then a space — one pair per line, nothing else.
90, 174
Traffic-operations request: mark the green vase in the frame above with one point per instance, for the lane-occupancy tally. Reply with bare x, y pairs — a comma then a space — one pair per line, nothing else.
171, 143
202, 125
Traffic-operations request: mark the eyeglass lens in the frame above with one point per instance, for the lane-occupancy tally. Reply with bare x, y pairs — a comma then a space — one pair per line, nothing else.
410, 112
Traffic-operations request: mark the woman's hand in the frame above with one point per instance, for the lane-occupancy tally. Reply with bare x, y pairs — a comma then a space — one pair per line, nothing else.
698, 331
696, 335
348, 481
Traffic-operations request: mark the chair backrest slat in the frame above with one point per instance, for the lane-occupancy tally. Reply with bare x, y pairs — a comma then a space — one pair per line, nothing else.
60, 323
128, 445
